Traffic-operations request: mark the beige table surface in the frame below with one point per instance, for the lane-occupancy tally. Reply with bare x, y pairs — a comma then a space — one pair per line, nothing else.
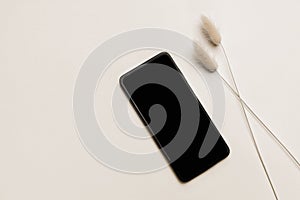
42, 46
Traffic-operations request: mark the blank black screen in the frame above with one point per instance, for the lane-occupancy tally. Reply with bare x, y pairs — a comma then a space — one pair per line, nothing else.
145, 88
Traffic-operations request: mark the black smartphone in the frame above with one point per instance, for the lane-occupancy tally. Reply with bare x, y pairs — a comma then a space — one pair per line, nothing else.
175, 118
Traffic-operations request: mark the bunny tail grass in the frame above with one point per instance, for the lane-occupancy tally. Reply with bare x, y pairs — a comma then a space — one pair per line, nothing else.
210, 31
204, 58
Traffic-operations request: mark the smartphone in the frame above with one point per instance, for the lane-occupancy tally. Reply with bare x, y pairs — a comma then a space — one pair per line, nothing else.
174, 116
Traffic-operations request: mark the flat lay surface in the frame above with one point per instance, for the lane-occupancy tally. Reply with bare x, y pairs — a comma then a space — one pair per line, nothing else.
43, 46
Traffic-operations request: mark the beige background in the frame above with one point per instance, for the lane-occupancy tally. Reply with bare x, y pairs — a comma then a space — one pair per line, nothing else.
42, 46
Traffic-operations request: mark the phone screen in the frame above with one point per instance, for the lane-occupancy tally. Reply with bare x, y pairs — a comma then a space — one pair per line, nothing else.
174, 116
